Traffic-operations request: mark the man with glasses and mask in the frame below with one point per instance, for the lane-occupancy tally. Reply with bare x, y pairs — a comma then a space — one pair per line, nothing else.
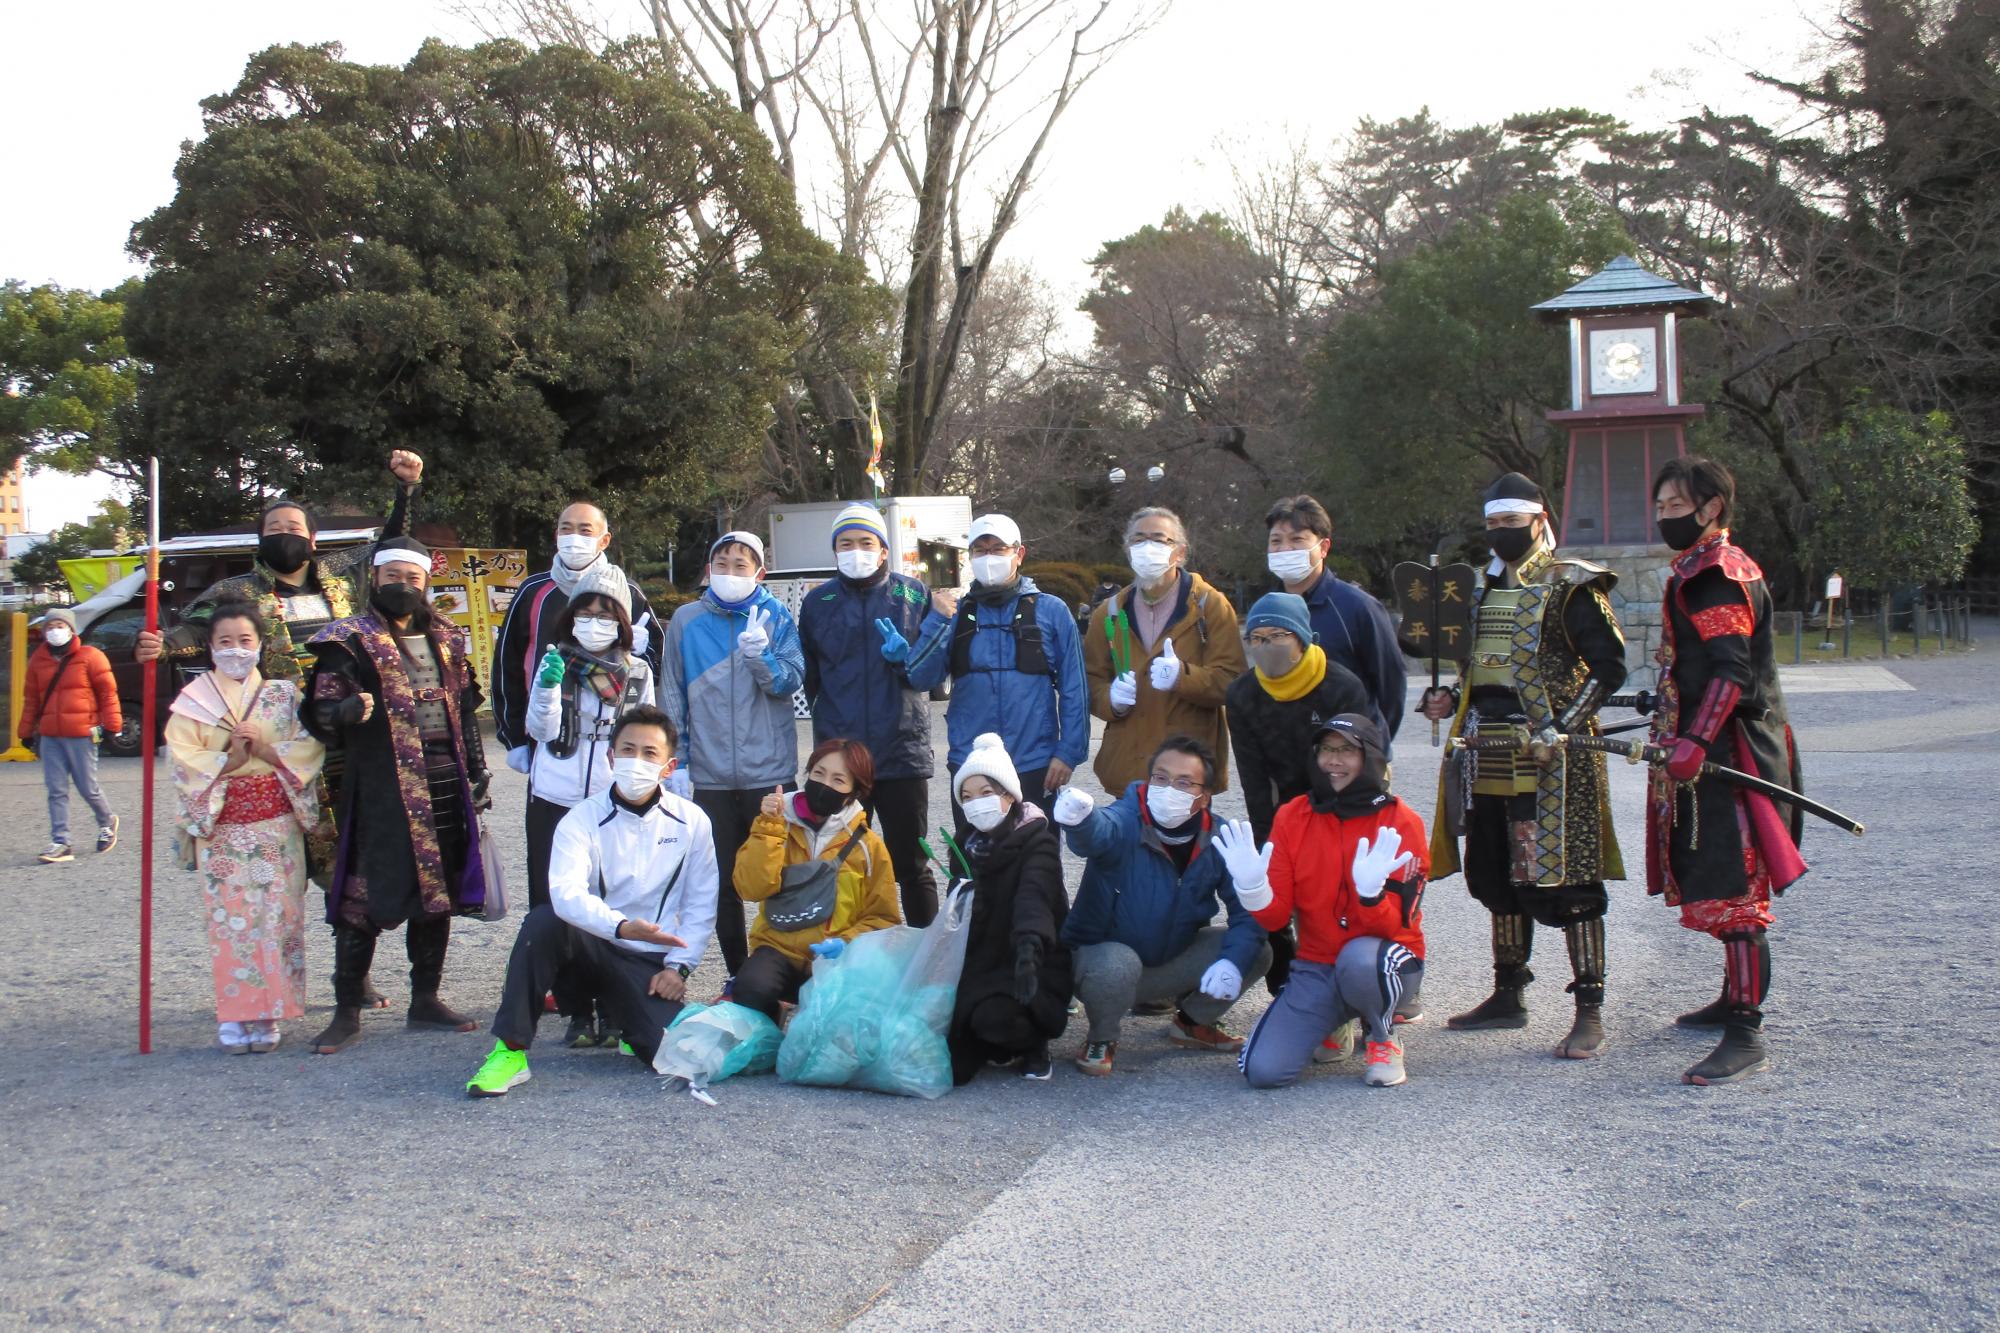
1015, 663
394, 689
1353, 628
1160, 656
1152, 882
1547, 652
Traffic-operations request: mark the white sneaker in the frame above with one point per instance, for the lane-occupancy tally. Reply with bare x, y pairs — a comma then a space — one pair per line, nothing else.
56, 853
234, 1037
1340, 1045
1385, 1065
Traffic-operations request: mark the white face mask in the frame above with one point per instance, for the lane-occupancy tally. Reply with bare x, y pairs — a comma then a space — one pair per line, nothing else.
984, 812
635, 777
575, 549
596, 633
235, 663
992, 570
1170, 806
731, 588
858, 563
1149, 560
1291, 566
55, 636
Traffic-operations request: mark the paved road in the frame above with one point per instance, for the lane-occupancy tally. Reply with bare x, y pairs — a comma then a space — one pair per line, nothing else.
1854, 1186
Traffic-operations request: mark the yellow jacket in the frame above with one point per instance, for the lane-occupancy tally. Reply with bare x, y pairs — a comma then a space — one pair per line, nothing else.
1209, 644
867, 893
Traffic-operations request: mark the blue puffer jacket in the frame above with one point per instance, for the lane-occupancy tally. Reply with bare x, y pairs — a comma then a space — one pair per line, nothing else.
856, 693
734, 715
1132, 894
1040, 717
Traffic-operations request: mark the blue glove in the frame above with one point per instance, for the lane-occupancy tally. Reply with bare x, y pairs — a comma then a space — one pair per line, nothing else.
829, 948
895, 648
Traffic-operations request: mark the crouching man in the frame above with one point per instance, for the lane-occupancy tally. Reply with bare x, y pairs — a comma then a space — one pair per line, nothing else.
632, 893
1140, 929
1348, 860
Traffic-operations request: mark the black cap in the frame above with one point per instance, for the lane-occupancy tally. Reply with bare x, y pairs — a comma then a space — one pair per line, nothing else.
1516, 486
1357, 727
402, 548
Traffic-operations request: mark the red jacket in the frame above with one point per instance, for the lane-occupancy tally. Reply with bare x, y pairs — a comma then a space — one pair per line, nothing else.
1312, 876
85, 696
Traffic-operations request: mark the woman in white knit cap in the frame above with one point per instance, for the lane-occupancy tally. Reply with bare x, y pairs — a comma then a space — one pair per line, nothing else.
1013, 996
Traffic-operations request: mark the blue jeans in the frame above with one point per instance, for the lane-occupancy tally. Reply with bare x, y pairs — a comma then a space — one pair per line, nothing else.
67, 759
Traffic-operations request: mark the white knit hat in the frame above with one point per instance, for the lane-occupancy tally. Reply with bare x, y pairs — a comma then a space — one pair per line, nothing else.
988, 760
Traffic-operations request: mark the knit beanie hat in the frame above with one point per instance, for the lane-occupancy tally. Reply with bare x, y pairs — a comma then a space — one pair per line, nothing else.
988, 760
604, 579
741, 538
861, 517
62, 615
1281, 610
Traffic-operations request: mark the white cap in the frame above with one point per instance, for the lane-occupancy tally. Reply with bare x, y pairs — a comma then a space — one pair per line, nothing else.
994, 525
749, 539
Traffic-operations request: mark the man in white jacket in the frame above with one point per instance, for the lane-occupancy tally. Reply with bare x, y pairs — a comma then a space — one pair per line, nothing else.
632, 893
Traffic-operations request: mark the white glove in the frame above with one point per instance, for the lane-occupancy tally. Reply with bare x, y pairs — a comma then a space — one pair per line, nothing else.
756, 635
521, 758
1124, 691
1374, 865
1249, 865
1166, 669
1073, 807
1222, 981
642, 635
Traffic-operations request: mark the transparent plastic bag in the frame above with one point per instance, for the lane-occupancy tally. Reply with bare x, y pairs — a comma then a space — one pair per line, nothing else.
708, 1043
875, 1017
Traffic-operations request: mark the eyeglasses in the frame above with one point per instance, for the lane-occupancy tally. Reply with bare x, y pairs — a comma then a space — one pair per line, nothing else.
1336, 749
1186, 786
1265, 638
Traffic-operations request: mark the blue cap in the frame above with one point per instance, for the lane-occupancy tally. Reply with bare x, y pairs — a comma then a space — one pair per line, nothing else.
1281, 610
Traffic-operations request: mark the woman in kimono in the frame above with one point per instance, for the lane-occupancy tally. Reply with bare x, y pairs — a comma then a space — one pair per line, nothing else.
245, 773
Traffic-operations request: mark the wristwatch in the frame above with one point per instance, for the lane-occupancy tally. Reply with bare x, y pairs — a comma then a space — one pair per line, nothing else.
683, 969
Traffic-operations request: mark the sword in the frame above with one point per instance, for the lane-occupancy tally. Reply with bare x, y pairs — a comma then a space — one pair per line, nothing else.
1637, 752
1644, 701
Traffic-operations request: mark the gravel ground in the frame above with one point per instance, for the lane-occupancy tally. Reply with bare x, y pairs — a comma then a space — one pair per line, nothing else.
1854, 1186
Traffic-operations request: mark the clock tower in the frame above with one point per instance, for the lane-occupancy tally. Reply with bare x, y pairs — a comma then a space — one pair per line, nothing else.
1625, 418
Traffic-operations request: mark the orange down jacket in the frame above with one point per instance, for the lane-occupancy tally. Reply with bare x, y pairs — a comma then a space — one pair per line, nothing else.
85, 696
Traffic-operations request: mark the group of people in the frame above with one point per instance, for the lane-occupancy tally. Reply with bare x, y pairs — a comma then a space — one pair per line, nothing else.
333, 738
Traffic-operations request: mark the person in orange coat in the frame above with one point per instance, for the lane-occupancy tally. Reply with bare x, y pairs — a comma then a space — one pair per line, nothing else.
825, 821
69, 700
1349, 861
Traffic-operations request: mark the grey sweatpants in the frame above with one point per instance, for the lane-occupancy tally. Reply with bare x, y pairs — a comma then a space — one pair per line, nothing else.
1110, 979
1366, 981
67, 759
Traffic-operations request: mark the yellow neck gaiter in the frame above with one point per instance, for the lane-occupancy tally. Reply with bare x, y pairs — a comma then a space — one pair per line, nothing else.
1300, 681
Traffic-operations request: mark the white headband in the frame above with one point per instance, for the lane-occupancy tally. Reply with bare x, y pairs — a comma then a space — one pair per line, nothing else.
1512, 507
396, 555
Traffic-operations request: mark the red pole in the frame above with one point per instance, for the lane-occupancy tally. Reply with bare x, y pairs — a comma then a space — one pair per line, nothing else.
148, 711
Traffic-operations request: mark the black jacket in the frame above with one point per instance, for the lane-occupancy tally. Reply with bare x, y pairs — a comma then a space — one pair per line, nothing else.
1271, 738
1017, 895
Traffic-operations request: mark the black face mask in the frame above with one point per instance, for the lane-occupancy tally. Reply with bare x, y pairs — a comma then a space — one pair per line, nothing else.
823, 800
397, 600
1681, 533
1511, 544
286, 552
1358, 797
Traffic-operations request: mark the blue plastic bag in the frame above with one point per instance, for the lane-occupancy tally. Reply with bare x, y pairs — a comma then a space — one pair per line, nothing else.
706, 1044
875, 1017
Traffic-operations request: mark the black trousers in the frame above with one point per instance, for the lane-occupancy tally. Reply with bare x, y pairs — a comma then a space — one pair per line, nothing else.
901, 807
1489, 869
425, 939
573, 998
1031, 792
730, 814
769, 979
547, 945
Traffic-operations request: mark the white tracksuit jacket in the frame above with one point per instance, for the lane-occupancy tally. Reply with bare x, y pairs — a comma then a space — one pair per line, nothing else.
610, 863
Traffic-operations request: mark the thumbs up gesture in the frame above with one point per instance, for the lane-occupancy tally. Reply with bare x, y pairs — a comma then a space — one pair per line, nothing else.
756, 635
1166, 669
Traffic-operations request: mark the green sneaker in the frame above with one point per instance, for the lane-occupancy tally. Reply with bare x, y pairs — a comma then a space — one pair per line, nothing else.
625, 1048
503, 1069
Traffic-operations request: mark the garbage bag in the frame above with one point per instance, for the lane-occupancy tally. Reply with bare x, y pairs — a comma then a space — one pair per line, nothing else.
708, 1043
875, 1017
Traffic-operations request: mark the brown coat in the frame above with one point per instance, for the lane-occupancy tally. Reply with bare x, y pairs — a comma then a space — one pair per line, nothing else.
85, 695
1209, 643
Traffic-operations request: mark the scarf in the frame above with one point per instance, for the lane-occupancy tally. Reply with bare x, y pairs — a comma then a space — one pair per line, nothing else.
996, 594
565, 578
1301, 680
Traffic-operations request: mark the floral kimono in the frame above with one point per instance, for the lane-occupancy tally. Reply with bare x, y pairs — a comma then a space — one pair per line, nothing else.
246, 832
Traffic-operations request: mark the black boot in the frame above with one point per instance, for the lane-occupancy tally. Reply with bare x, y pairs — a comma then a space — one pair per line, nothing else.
1711, 1015
427, 942
1739, 1054
353, 955
1586, 960
1513, 939
372, 998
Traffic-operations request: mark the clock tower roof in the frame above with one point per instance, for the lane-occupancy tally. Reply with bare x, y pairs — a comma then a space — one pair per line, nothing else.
1622, 285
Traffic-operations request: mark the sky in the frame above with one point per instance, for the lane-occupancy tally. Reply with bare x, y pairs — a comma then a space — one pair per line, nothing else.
99, 97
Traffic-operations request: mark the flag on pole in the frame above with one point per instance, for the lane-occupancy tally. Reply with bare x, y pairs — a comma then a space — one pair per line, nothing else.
875, 436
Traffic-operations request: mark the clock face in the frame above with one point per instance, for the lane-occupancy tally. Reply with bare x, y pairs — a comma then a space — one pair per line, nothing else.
1624, 361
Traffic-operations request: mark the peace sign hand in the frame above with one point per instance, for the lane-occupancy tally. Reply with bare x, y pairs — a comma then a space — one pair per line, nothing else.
756, 635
